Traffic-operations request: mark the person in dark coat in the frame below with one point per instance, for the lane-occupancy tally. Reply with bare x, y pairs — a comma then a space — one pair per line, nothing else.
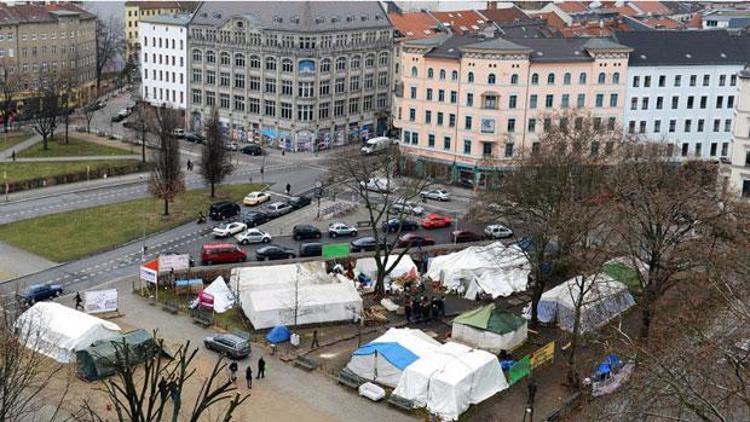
315, 343
425, 305
233, 367
417, 311
78, 300
407, 309
249, 376
441, 304
434, 309
261, 368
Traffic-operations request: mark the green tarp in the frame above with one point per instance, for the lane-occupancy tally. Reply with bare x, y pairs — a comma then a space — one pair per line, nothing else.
519, 370
624, 274
98, 360
490, 318
336, 250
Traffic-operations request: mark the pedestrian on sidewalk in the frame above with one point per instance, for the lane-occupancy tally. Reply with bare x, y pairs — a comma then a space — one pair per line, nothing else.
249, 376
163, 389
189, 165
13, 155
78, 300
261, 368
288, 188
315, 343
233, 371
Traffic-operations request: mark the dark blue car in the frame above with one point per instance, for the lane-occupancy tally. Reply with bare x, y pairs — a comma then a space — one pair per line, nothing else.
39, 292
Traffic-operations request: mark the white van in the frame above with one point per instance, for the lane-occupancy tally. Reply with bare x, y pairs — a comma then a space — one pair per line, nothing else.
375, 145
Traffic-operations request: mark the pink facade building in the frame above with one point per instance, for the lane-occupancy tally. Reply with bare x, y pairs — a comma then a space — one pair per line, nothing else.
466, 105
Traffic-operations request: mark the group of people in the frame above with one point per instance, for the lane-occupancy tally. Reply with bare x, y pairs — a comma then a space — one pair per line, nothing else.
233, 367
424, 309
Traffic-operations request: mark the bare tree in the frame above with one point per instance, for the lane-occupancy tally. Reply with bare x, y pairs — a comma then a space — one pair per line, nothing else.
69, 82
215, 162
142, 114
88, 111
167, 179
45, 106
109, 43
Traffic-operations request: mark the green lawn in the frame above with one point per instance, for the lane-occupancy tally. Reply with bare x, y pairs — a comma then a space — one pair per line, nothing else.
11, 139
18, 171
76, 147
75, 234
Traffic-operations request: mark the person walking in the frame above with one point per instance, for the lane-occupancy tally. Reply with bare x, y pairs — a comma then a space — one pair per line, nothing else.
249, 376
78, 300
13, 155
288, 188
407, 309
189, 165
233, 367
315, 343
261, 368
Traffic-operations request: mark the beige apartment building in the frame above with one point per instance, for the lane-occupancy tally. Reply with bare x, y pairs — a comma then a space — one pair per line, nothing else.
737, 171
41, 39
135, 10
466, 105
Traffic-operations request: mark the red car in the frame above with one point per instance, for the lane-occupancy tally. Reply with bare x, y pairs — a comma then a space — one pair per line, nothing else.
412, 239
435, 221
464, 236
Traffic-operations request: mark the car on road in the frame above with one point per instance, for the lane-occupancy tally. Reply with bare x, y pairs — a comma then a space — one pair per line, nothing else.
229, 229
229, 345
464, 236
120, 116
179, 133
401, 206
298, 202
221, 253
277, 209
255, 218
435, 221
256, 198
99, 105
413, 239
310, 249
402, 224
231, 146
134, 125
341, 229
252, 149
378, 184
305, 231
365, 243
222, 210
195, 138
436, 194
498, 231
253, 236
274, 252
39, 292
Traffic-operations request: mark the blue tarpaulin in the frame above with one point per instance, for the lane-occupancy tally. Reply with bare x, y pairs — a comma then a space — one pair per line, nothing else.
394, 353
278, 334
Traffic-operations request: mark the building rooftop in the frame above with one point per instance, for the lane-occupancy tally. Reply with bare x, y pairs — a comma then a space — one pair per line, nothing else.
35, 13
676, 48
306, 16
180, 19
529, 28
414, 25
504, 14
655, 8
182, 5
461, 21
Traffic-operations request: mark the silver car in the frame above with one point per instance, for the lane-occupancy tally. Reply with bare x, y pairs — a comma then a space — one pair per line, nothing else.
436, 194
277, 209
253, 236
407, 207
341, 229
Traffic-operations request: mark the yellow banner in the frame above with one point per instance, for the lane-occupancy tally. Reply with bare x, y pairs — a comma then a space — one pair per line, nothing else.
545, 354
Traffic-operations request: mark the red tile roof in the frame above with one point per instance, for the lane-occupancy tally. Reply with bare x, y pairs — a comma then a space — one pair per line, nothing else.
461, 21
31, 13
662, 23
504, 15
696, 22
414, 25
572, 6
651, 7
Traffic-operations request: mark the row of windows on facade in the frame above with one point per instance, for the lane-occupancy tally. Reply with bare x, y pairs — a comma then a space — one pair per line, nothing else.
515, 78
64, 50
49, 67
287, 65
686, 128
677, 81
304, 88
163, 76
166, 43
165, 59
689, 103
42, 36
491, 101
304, 111
304, 42
132, 13
161, 96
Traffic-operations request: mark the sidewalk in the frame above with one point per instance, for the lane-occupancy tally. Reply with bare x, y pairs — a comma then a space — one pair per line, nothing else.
41, 193
15, 262
6, 155
78, 158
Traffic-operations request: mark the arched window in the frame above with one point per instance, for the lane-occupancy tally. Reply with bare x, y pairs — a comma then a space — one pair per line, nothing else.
514, 79
370, 60
602, 78
225, 59
210, 56
254, 62
454, 75
430, 73
442, 74
239, 60
414, 72
270, 63
535, 79
197, 56
616, 78
325, 65
355, 62
383, 59
582, 78
470, 77
566, 78
287, 65
491, 79
340, 64
551, 79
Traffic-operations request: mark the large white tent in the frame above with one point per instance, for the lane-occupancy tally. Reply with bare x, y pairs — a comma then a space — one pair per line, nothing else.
448, 381
494, 269
223, 298
404, 267
58, 331
384, 359
270, 277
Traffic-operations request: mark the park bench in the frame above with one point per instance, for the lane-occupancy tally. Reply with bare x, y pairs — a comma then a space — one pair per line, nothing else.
400, 402
350, 379
171, 307
364, 223
306, 363
203, 319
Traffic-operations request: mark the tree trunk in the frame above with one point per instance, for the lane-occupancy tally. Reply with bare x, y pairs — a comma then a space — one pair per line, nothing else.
213, 189
646, 312
166, 206
536, 296
143, 143
573, 377
44, 142
67, 122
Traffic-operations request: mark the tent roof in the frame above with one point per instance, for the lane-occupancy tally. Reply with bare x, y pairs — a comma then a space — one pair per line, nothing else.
309, 295
271, 277
396, 354
64, 321
491, 318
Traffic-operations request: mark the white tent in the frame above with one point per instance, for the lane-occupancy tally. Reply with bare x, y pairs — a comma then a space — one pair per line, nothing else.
604, 299
276, 276
405, 266
490, 328
223, 297
58, 331
384, 359
494, 269
449, 381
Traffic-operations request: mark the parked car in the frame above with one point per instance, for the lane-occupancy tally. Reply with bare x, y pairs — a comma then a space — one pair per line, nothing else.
277, 209
403, 224
464, 236
39, 292
298, 202
230, 229
255, 218
119, 117
365, 243
378, 184
255, 198
413, 239
231, 146
310, 249
228, 345
376, 145
222, 210
195, 137
99, 105
305, 231
253, 236
407, 207
274, 252
436, 194
341, 229
252, 149
134, 125
498, 231
179, 133
435, 221
221, 253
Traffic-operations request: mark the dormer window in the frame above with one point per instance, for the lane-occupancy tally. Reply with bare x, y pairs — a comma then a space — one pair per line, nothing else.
277, 19
320, 20
295, 20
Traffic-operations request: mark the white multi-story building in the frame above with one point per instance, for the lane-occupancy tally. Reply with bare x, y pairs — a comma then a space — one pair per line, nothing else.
163, 41
739, 169
682, 89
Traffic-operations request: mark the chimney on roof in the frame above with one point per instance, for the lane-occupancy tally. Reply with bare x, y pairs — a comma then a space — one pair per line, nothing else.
492, 5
